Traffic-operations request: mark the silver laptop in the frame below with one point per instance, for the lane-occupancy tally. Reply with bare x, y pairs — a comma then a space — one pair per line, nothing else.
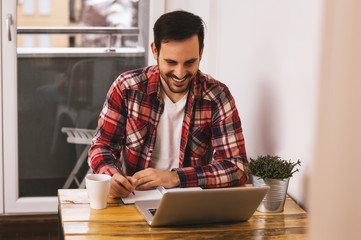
203, 206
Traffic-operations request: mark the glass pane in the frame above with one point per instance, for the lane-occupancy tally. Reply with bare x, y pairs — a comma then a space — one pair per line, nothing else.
63, 79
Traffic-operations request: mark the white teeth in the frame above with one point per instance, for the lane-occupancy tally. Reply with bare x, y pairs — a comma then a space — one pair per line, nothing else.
179, 80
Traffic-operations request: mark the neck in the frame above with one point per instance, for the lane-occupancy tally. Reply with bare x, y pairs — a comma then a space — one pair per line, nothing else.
175, 97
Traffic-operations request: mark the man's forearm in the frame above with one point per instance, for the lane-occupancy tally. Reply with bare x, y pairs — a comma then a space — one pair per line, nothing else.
220, 174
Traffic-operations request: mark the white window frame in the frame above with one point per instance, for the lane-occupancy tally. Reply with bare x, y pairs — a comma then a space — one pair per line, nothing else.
12, 203
1, 123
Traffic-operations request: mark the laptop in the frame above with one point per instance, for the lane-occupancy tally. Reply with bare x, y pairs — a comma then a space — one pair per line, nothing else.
203, 206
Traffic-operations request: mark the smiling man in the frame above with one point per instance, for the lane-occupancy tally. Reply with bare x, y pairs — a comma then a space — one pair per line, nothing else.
178, 63
170, 125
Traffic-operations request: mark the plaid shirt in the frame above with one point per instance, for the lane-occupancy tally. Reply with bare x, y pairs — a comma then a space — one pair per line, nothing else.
212, 151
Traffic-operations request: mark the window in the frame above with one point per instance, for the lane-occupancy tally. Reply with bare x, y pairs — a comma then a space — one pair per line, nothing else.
44, 7
63, 71
28, 7
44, 41
29, 41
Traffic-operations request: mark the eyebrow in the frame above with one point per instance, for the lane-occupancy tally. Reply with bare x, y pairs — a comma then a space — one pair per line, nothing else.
171, 60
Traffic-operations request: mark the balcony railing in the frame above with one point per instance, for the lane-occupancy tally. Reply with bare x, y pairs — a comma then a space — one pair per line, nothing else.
78, 30
109, 51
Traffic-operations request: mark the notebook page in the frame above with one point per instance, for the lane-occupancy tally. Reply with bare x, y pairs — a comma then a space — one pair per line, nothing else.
152, 194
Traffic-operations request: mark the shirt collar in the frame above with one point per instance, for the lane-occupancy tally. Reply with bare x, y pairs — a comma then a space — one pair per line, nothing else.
153, 80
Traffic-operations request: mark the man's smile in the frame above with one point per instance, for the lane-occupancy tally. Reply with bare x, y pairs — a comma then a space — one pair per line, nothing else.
179, 80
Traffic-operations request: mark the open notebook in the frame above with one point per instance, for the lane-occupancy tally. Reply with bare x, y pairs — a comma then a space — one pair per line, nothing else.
154, 194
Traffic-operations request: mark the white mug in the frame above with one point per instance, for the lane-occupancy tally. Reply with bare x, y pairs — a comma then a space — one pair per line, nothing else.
98, 186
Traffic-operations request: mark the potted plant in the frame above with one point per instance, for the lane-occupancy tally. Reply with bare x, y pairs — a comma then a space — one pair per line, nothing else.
274, 172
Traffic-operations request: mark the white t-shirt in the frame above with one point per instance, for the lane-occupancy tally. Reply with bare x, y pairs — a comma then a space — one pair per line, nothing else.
167, 146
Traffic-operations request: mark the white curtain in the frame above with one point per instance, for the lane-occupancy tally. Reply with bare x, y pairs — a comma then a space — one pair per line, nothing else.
335, 198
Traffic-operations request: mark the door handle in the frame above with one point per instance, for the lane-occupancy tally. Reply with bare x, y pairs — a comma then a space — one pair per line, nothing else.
9, 22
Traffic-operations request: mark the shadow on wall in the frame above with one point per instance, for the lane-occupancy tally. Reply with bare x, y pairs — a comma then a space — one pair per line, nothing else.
266, 118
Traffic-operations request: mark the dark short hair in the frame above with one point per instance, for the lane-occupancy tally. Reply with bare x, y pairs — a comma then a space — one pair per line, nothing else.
178, 25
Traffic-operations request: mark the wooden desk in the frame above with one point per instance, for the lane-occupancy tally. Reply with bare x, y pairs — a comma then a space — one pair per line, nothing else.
120, 221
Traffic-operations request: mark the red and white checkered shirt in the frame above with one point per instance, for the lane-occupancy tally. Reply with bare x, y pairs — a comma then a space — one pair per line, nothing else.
212, 150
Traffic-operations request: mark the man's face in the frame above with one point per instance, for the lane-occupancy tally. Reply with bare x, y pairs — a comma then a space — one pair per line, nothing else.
178, 63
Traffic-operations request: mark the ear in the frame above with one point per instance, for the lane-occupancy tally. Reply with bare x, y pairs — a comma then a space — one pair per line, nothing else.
154, 50
201, 52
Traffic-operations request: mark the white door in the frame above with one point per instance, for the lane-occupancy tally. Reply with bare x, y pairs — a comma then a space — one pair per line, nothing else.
55, 76
2, 27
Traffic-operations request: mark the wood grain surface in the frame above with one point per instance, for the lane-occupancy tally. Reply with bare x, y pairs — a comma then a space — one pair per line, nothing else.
119, 221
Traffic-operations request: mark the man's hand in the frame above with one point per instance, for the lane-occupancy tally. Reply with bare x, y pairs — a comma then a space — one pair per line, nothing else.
151, 177
121, 186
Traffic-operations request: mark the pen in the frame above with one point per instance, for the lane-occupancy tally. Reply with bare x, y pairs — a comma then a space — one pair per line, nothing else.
119, 168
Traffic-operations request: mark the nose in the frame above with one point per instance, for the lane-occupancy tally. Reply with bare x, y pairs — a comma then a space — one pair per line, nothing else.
179, 72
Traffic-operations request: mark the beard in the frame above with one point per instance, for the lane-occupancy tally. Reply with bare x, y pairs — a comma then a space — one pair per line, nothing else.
187, 81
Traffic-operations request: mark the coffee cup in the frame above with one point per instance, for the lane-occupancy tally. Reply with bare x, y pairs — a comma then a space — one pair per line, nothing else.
98, 186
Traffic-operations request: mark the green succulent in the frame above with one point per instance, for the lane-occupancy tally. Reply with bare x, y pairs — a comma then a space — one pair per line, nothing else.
272, 167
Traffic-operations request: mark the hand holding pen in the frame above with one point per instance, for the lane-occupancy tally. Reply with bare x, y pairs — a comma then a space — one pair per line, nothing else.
116, 163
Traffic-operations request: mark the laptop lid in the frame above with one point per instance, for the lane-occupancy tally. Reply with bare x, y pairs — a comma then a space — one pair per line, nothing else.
204, 206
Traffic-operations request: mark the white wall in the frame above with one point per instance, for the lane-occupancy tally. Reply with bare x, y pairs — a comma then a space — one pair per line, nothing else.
267, 52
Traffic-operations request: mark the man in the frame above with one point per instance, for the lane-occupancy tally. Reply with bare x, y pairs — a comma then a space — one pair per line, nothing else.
170, 124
